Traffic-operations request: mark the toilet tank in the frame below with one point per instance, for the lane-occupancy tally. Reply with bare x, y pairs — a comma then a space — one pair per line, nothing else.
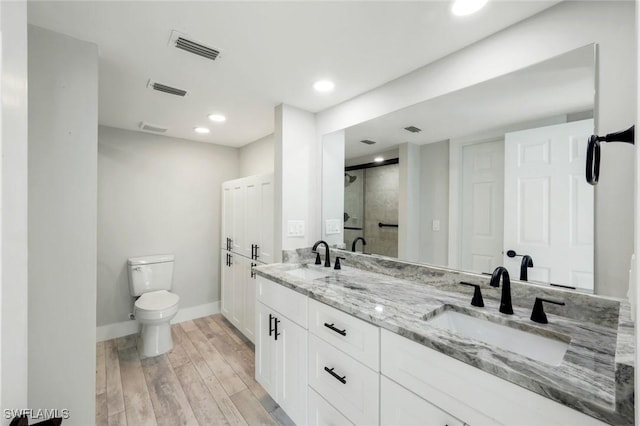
150, 273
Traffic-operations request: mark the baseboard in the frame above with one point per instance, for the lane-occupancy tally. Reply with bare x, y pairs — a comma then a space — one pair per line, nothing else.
125, 328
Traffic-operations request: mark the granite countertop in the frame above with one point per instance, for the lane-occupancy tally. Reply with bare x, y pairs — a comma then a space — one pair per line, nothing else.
595, 376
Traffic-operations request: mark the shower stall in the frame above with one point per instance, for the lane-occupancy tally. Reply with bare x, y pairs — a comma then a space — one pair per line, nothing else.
371, 207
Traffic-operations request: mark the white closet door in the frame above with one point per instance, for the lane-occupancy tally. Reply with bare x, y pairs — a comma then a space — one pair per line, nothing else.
548, 210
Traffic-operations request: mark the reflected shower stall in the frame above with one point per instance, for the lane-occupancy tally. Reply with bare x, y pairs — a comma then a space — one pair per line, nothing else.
371, 207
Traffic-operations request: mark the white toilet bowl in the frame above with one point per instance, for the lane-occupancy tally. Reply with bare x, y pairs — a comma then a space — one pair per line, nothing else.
154, 311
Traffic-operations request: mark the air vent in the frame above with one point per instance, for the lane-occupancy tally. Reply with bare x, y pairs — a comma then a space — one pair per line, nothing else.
413, 129
367, 141
166, 89
152, 127
181, 41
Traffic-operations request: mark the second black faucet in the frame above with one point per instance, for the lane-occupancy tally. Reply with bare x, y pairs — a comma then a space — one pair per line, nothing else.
327, 262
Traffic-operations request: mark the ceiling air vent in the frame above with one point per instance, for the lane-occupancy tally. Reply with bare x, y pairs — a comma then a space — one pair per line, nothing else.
152, 127
166, 89
367, 141
413, 129
182, 41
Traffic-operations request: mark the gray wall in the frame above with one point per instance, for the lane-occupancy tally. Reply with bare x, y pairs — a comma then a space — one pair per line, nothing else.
159, 195
257, 157
434, 202
13, 206
381, 188
63, 120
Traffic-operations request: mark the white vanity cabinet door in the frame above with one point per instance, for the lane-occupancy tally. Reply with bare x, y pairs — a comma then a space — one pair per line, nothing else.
321, 413
291, 304
291, 359
351, 335
398, 406
345, 383
266, 367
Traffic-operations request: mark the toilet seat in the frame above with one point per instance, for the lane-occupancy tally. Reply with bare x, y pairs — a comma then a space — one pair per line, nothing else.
157, 301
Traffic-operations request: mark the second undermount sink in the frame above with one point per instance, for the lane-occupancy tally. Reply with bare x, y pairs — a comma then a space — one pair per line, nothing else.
540, 348
307, 273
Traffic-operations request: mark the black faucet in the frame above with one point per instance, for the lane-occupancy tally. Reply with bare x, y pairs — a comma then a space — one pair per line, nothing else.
505, 300
353, 245
527, 262
327, 262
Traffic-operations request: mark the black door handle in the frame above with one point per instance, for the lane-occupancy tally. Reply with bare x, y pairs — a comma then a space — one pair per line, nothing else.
253, 274
271, 317
337, 330
342, 379
277, 321
256, 255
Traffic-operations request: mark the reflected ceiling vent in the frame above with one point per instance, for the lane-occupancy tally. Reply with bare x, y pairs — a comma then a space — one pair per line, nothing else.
166, 89
367, 141
184, 42
147, 127
413, 129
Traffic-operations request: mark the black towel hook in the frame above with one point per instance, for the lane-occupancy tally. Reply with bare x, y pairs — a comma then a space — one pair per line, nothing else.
593, 151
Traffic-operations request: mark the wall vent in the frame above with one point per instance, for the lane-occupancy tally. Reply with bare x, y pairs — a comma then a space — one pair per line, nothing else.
184, 42
152, 127
367, 141
413, 129
166, 89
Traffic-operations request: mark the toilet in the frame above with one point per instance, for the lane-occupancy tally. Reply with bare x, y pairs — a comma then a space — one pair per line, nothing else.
150, 279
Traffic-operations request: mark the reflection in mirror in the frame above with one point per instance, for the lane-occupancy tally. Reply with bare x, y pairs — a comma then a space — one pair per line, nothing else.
494, 172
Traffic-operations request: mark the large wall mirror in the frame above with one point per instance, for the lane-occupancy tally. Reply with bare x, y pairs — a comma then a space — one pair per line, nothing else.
487, 175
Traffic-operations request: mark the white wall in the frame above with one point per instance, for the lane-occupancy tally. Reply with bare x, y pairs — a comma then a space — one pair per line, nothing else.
159, 195
13, 206
564, 27
63, 120
297, 177
333, 185
434, 202
257, 158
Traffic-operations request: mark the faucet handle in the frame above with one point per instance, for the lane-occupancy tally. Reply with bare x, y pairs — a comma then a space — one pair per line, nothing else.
477, 294
318, 261
537, 314
337, 264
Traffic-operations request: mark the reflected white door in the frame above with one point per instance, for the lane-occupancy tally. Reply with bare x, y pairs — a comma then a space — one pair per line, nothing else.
482, 198
548, 210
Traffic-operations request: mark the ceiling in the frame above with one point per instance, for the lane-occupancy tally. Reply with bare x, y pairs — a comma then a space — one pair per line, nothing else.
559, 86
271, 53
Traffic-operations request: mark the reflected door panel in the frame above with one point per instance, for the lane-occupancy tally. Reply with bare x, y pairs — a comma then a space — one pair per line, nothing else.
482, 198
548, 210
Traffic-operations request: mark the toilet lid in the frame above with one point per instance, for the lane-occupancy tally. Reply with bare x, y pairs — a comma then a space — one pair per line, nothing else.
157, 300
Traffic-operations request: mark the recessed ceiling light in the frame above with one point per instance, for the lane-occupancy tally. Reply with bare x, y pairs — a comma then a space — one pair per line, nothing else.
467, 7
201, 130
323, 86
378, 159
218, 118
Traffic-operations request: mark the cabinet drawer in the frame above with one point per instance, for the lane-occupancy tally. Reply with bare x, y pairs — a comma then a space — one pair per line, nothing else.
284, 300
357, 338
402, 407
348, 385
322, 413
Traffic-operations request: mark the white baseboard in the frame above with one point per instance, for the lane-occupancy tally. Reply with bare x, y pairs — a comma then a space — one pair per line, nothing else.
125, 328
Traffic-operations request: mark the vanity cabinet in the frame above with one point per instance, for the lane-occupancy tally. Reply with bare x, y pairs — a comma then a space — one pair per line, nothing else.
467, 393
281, 347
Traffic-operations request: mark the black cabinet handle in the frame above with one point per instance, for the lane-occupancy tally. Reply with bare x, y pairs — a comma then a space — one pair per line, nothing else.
257, 247
253, 274
337, 330
230, 259
271, 318
342, 379
253, 248
277, 321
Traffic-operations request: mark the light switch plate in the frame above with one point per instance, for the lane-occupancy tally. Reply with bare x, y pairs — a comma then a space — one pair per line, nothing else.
332, 226
295, 228
436, 225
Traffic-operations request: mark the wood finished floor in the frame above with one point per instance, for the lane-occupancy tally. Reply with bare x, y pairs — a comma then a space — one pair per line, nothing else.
207, 379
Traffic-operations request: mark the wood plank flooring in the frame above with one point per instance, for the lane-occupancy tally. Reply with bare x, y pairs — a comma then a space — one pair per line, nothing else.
207, 379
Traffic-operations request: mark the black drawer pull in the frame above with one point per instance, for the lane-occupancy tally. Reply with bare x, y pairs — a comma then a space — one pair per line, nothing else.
342, 379
337, 330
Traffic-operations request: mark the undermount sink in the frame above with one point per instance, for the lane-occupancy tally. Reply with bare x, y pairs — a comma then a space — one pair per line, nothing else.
540, 348
307, 273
